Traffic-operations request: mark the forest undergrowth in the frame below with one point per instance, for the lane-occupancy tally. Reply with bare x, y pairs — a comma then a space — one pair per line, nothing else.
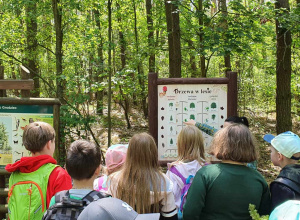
261, 123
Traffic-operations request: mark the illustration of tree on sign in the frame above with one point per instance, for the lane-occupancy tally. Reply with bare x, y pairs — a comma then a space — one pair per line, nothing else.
171, 141
171, 129
171, 104
192, 117
192, 105
185, 109
4, 145
171, 118
213, 117
213, 105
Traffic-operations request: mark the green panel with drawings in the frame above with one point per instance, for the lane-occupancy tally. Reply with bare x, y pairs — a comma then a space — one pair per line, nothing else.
13, 120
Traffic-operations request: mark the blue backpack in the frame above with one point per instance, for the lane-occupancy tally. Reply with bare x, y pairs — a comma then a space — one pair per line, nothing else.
187, 183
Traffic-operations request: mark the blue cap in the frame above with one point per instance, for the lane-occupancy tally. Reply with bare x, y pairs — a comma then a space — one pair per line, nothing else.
289, 210
286, 143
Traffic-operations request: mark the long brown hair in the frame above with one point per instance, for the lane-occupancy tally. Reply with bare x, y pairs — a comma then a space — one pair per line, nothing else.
190, 144
141, 175
234, 142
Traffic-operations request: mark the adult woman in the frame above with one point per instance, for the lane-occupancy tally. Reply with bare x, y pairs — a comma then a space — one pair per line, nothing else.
225, 190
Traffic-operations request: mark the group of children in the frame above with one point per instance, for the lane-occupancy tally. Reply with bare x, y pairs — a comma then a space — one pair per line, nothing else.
134, 183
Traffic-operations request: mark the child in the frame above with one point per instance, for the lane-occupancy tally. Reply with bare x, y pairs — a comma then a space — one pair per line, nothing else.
228, 121
225, 190
140, 182
190, 158
114, 159
83, 165
285, 153
39, 170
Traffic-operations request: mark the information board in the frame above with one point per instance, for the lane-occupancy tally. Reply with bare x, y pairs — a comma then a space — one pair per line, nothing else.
13, 120
173, 101
204, 103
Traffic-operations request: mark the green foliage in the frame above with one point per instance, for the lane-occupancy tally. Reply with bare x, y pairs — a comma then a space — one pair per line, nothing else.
254, 214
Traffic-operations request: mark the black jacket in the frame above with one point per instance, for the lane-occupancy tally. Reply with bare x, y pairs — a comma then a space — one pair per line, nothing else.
286, 186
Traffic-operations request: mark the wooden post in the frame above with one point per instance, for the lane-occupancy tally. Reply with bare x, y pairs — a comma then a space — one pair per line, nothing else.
232, 97
2, 92
3, 196
152, 105
24, 75
56, 112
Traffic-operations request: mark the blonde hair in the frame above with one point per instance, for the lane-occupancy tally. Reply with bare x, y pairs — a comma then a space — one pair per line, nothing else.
234, 142
190, 144
141, 176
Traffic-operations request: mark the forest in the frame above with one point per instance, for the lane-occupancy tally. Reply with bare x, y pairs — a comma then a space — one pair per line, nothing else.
95, 57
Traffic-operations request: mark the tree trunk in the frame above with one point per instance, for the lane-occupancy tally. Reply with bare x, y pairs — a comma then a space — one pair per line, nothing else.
224, 24
173, 28
201, 36
193, 67
31, 50
139, 65
109, 71
100, 65
2, 92
60, 81
213, 9
151, 43
124, 100
283, 72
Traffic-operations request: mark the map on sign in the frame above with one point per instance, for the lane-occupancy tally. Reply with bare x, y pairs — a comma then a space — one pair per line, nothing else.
178, 103
13, 120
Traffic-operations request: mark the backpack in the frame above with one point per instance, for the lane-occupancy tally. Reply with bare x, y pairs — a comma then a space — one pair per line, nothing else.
289, 183
27, 193
187, 183
66, 208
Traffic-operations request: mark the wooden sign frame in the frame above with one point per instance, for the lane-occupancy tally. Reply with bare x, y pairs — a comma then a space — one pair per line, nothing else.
154, 81
55, 103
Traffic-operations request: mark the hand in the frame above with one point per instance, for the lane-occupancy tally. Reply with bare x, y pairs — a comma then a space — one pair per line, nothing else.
190, 122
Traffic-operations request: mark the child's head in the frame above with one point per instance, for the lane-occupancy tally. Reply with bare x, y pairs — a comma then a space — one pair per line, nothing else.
142, 152
236, 119
190, 144
234, 142
36, 135
115, 157
83, 158
285, 148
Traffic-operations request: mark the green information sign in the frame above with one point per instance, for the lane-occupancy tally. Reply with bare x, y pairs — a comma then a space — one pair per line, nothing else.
13, 120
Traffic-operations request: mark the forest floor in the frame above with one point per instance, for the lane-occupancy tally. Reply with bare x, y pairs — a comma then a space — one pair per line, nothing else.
260, 124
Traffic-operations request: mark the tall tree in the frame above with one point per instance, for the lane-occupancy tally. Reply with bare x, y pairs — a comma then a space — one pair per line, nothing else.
173, 28
109, 5
283, 68
31, 53
60, 81
201, 36
224, 24
100, 63
124, 100
151, 43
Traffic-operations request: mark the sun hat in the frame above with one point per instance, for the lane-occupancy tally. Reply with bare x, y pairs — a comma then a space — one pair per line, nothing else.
113, 209
289, 210
286, 143
115, 156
